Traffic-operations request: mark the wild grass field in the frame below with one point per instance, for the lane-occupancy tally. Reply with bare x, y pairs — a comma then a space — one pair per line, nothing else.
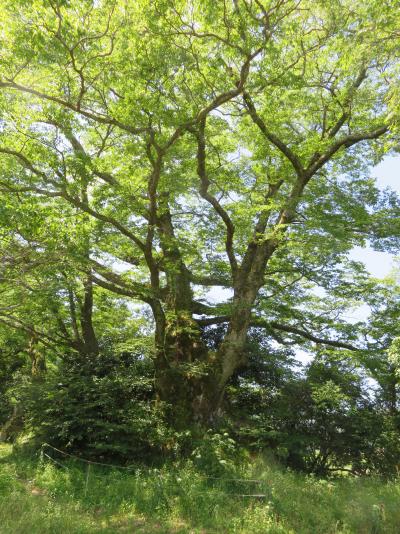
39, 497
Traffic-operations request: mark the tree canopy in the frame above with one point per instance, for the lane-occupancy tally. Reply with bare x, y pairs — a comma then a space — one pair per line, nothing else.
203, 163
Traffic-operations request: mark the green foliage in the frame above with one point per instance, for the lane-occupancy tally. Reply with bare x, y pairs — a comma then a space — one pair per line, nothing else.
9, 365
13, 364
218, 454
150, 150
100, 406
394, 356
323, 421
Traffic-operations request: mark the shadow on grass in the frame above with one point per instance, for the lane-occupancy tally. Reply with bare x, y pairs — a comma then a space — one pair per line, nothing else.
40, 497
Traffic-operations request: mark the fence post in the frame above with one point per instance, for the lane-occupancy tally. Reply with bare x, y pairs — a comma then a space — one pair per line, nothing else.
87, 478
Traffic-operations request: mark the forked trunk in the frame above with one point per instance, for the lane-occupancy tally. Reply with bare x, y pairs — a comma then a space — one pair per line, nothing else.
191, 378
186, 377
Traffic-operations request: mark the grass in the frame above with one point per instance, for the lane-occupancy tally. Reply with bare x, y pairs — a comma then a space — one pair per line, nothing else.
38, 497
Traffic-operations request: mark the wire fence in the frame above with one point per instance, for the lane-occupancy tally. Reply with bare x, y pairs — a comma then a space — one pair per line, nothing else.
46, 447
83, 460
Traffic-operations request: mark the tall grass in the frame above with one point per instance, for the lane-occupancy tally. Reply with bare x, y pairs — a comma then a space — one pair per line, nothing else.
39, 497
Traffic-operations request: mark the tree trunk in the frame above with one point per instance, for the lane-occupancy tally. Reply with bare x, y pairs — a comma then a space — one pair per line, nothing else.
37, 359
190, 378
13, 426
89, 340
185, 374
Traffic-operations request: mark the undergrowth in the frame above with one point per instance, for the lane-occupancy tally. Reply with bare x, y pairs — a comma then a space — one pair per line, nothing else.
38, 496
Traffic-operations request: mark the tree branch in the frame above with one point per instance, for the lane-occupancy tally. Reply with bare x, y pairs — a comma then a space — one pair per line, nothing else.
346, 114
103, 119
274, 139
262, 323
218, 101
131, 289
347, 142
205, 183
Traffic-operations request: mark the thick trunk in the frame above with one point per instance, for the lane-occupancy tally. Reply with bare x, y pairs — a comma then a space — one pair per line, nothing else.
249, 280
186, 378
190, 399
190, 378
186, 371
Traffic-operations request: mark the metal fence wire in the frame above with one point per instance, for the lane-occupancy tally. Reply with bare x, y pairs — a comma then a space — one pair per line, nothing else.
251, 484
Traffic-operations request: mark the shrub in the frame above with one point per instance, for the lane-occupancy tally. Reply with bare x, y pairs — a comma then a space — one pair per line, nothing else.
101, 406
218, 454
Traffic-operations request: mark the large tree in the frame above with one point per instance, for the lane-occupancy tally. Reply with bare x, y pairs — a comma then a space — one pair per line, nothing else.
208, 144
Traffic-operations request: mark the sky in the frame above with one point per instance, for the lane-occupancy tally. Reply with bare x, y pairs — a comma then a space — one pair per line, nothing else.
387, 174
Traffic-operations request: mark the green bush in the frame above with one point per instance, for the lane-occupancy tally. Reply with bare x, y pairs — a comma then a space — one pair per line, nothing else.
321, 421
100, 406
218, 454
